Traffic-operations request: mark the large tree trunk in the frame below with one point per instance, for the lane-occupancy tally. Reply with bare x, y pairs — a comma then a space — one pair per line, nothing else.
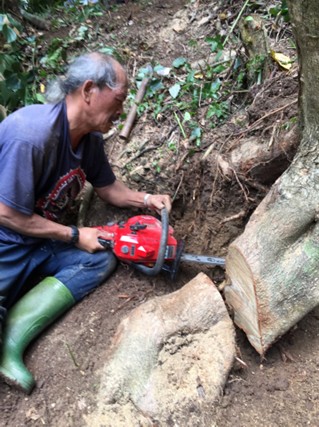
273, 265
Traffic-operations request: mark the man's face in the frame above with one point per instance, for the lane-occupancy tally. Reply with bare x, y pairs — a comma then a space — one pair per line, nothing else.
106, 106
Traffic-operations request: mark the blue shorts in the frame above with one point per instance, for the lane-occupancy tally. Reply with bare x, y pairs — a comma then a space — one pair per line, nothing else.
79, 271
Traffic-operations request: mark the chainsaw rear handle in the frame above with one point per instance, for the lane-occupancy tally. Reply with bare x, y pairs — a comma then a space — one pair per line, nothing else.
153, 271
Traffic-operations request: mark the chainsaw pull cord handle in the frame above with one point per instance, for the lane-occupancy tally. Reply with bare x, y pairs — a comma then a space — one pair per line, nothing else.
153, 271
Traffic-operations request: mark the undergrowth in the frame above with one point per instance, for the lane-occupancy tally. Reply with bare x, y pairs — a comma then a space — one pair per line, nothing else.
194, 95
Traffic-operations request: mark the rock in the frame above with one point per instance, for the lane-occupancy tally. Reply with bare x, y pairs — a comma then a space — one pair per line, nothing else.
169, 359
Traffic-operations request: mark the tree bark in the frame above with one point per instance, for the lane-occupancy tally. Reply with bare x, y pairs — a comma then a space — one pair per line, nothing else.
273, 265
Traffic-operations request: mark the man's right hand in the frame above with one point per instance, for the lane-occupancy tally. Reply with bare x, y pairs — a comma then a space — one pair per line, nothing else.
88, 239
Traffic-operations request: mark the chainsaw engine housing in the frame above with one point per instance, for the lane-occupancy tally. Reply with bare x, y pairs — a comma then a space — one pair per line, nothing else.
138, 240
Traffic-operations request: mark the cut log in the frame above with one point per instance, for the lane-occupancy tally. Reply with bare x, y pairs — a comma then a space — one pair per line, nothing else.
125, 132
170, 358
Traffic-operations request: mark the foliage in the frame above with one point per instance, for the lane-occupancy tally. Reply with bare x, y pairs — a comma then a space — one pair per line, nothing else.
15, 78
22, 69
37, 6
75, 12
185, 91
192, 96
280, 10
199, 96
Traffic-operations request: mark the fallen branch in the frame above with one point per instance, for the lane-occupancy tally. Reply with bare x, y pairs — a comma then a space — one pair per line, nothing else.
239, 215
86, 196
180, 163
139, 154
178, 187
35, 20
124, 134
127, 149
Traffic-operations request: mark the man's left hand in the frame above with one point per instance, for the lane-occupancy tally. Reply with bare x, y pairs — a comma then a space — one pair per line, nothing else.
157, 202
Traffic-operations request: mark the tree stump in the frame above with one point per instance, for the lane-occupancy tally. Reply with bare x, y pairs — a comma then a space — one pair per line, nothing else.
273, 265
255, 40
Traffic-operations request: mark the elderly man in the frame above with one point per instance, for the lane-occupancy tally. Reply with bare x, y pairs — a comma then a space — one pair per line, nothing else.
46, 154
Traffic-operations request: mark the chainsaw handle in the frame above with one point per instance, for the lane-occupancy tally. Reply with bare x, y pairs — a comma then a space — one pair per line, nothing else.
153, 271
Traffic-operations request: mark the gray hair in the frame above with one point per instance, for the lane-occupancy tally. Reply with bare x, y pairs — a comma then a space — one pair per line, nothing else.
97, 67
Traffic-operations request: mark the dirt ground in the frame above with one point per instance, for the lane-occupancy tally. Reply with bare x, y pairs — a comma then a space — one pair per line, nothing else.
209, 211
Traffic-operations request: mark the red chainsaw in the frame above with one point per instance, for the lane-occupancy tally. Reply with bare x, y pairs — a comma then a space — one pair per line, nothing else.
149, 245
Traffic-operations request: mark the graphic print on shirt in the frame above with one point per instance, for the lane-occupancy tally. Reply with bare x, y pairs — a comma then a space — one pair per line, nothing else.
60, 200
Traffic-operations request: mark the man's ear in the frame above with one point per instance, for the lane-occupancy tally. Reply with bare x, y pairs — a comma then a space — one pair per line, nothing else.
87, 90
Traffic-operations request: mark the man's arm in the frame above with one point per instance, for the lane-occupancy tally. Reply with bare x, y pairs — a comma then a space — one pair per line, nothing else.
118, 194
37, 226
33, 225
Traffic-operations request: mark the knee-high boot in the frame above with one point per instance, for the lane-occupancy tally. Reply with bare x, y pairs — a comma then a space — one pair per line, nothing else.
36, 310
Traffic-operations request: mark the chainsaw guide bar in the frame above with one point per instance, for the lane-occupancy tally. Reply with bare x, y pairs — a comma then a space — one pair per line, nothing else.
203, 259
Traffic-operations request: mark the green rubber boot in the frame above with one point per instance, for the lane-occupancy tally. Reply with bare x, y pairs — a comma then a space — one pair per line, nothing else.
36, 310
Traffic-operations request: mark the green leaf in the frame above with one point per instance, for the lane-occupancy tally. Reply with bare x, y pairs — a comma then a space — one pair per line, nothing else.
82, 32
214, 46
249, 18
143, 72
108, 50
213, 110
40, 98
196, 135
9, 34
217, 109
13, 83
2, 21
162, 71
13, 22
187, 117
218, 56
179, 62
215, 86
155, 86
215, 43
6, 62
174, 90
219, 69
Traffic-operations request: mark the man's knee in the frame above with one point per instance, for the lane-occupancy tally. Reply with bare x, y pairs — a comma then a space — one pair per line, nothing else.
92, 272
108, 262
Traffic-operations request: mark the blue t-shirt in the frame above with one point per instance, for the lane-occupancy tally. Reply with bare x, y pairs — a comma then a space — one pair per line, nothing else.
39, 171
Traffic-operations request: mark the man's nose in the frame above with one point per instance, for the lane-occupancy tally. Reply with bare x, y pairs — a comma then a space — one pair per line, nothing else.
120, 110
